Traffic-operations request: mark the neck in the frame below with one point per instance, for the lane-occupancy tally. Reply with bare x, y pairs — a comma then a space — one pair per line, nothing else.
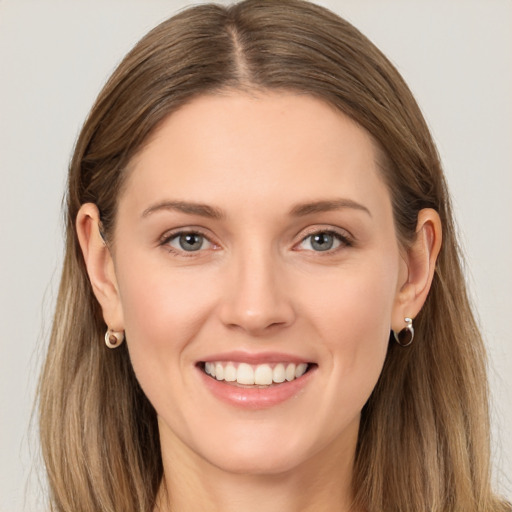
320, 484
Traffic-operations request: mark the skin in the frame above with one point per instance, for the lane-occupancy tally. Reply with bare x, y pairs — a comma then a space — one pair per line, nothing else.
257, 284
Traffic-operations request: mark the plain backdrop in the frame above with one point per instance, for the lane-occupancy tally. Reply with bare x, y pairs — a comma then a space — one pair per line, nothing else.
55, 56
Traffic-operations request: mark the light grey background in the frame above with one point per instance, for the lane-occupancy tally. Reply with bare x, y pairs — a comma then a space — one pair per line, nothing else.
54, 57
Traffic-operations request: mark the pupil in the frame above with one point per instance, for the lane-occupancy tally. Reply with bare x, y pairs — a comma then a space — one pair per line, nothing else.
322, 241
191, 242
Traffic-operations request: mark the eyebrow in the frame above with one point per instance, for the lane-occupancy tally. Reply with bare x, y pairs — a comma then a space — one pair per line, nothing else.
200, 209
304, 209
299, 210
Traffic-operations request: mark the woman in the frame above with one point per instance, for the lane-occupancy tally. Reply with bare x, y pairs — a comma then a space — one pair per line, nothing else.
256, 205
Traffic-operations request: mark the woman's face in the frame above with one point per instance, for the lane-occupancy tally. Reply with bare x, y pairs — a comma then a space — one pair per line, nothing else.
255, 240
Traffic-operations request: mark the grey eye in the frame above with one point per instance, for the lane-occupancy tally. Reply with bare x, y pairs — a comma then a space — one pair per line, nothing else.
322, 241
189, 242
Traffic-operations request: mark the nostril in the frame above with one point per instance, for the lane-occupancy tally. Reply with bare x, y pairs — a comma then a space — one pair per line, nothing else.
257, 323
255, 302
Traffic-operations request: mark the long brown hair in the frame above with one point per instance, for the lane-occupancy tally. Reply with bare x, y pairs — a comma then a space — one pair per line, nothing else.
424, 434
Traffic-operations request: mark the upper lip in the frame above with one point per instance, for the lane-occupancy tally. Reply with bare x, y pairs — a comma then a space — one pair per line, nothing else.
239, 356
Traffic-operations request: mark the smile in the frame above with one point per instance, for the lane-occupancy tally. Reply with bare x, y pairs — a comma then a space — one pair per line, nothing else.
258, 374
256, 381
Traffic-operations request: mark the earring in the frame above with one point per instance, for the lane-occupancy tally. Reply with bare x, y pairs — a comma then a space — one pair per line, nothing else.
114, 338
406, 335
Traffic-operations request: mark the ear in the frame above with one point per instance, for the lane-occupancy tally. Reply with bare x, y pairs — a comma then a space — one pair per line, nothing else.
420, 261
100, 265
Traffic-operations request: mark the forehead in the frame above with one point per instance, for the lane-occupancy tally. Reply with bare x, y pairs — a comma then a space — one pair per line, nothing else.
264, 146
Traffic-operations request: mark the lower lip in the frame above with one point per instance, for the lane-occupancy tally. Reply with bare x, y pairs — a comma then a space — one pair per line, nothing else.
257, 397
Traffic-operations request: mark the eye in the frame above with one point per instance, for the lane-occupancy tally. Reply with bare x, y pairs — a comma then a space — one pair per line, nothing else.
188, 242
323, 241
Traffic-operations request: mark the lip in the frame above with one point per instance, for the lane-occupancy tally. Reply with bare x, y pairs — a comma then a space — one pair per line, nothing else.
255, 398
240, 356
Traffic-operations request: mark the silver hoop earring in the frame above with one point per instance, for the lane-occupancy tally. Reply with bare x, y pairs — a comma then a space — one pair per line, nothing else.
406, 335
114, 338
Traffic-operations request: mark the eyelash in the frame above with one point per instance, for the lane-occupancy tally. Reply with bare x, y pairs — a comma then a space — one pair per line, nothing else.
343, 240
169, 237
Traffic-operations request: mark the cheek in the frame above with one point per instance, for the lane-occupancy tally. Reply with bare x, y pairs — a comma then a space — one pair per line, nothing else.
163, 310
357, 297
353, 317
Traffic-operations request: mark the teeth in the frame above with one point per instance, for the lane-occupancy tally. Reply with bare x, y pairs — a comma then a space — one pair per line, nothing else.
245, 374
230, 373
209, 368
279, 374
300, 370
219, 371
260, 375
263, 375
290, 372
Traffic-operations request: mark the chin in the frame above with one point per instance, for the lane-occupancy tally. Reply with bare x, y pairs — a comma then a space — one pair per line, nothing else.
256, 462
265, 451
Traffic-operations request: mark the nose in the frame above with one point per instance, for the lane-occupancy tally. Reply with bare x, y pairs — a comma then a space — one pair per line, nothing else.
256, 297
